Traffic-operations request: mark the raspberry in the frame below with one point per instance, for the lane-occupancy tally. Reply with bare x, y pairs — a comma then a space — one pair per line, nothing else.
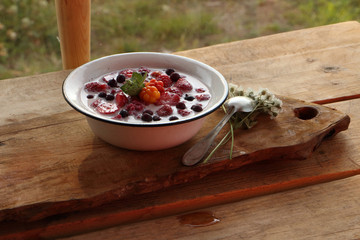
155, 74
96, 87
175, 90
202, 97
183, 112
107, 108
165, 110
143, 70
149, 94
168, 98
183, 85
121, 99
96, 103
134, 106
158, 84
200, 90
127, 73
165, 79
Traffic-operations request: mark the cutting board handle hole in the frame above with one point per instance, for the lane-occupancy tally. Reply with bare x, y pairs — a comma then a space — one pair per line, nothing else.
306, 113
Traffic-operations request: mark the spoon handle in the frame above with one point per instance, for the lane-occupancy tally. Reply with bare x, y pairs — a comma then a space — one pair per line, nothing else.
198, 151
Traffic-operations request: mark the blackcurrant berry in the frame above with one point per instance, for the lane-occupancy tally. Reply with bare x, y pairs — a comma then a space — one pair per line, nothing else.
169, 71
112, 83
124, 113
146, 117
156, 118
110, 97
102, 94
189, 98
174, 76
172, 118
120, 78
180, 105
196, 108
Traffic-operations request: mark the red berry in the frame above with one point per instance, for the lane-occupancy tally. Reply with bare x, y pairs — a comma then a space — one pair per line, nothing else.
165, 79
183, 85
155, 74
200, 90
165, 110
202, 97
127, 73
96, 87
183, 112
175, 90
107, 108
168, 98
96, 103
121, 99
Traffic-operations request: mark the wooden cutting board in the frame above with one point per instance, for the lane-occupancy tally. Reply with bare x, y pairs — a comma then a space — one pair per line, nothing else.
62, 167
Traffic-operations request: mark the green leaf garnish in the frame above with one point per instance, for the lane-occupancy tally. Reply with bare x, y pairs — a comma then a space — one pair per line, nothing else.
134, 85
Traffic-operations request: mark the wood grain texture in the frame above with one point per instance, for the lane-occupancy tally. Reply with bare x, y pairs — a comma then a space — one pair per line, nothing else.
325, 211
43, 142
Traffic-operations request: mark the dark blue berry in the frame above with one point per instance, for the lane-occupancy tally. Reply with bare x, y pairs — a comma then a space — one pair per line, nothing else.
180, 105
146, 117
189, 98
149, 112
110, 97
90, 96
102, 94
112, 83
196, 108
174, 76
172, 118
124, 113
169, 71
156, 118
120, 78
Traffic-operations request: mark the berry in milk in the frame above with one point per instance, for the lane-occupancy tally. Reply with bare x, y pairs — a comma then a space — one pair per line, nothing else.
146, 94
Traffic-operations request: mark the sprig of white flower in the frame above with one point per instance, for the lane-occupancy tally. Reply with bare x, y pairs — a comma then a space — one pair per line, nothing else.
265, 103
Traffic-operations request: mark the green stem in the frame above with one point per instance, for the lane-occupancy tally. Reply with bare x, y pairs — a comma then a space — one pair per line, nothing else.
217, 146
224, 139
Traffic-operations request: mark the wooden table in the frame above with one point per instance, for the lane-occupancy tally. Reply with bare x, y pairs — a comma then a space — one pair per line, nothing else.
58, 180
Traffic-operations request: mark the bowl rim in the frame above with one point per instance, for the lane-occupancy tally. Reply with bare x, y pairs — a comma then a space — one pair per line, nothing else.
202, 114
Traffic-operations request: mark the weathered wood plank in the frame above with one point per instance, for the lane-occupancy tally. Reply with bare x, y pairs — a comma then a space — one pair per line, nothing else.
324, 211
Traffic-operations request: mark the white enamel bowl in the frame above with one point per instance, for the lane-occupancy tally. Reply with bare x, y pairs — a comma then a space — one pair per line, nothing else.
144, 136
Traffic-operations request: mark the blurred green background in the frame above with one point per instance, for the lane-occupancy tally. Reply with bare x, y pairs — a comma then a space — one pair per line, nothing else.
28, 28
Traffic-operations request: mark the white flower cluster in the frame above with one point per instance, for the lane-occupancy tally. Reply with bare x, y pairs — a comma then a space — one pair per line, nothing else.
264, 102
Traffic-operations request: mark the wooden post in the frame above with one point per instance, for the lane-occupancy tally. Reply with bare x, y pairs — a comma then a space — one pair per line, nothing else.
73, 17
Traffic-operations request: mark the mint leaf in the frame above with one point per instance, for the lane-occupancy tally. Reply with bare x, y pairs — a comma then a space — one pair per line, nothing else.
134, 85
